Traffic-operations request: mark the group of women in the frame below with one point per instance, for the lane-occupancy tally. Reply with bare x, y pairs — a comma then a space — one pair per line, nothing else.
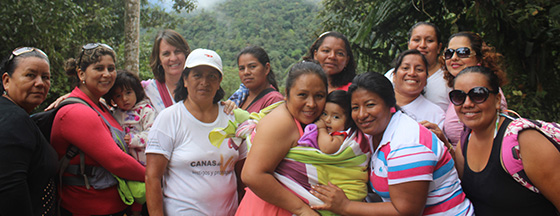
411, 120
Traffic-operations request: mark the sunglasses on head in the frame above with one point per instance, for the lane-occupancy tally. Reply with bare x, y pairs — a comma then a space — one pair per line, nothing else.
462, 52
22, 50
95, 45
91, 46
477, 95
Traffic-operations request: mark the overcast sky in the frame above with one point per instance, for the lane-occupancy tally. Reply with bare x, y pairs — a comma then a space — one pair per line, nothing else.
206, 4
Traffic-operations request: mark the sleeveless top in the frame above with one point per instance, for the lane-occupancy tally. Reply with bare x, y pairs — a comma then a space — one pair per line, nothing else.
494, 192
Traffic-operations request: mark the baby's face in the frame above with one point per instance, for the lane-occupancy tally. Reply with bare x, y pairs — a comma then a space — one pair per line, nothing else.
334, 117
125, 98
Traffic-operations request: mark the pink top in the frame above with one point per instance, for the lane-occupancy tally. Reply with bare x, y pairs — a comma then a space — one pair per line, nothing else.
344, 87
267, 100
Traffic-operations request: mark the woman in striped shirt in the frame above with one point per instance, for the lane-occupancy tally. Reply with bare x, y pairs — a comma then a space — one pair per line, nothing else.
410, 168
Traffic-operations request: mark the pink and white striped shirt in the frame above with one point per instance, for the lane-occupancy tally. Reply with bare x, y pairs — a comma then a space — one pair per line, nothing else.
410, 152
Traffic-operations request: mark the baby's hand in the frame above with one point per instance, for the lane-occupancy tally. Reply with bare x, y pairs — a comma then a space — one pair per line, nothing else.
229, 106
320, 124
127, 139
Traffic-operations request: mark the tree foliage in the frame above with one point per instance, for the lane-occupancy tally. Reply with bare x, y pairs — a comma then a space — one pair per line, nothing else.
523, 31
61, 27
285, 29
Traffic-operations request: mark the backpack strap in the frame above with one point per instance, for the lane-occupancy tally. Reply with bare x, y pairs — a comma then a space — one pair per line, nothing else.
72, 151
510, 156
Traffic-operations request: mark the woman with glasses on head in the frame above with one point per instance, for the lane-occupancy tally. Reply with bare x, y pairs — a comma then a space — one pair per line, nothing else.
465, 49
27, 161
88, 187
491, 189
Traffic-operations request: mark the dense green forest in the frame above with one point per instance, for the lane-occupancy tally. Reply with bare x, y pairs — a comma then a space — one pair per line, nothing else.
524, 31
285, 29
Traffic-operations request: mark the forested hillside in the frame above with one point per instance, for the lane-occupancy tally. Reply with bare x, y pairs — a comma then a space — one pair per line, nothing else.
285, 29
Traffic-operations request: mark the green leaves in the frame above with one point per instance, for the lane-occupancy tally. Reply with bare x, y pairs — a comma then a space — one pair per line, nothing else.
524, 31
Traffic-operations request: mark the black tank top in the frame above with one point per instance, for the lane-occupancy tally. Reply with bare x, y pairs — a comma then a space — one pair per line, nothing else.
494, 192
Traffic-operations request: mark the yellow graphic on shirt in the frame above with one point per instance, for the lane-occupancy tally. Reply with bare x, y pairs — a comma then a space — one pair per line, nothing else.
224, 166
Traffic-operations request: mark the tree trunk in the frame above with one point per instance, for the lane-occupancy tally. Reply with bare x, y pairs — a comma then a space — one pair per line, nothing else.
132, 35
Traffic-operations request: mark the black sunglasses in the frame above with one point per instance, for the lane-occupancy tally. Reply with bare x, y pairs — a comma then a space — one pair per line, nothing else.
477, 95
462, 52
90, 46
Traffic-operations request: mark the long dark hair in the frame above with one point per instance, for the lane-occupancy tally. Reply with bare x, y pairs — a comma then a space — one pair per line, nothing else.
126, 80
261, 55
349, 72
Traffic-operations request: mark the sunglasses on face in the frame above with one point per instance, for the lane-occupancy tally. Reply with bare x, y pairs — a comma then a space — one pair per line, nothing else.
477, 95
462, 52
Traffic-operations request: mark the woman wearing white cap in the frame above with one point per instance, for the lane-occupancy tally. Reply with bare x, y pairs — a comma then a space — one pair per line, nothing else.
185, 173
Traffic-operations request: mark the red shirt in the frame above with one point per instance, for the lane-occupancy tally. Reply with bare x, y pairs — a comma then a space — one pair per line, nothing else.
81, 126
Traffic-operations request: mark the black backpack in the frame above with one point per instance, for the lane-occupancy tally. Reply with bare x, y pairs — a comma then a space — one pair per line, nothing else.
45, 120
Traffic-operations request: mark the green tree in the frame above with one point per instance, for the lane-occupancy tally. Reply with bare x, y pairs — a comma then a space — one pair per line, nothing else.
523, 31
61, 27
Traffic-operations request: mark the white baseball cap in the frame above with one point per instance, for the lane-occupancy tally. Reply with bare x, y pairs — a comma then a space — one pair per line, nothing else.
207, 57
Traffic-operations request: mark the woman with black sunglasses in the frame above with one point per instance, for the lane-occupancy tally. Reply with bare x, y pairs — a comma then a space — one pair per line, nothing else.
27, 161
465, 49
491, 189
88, 186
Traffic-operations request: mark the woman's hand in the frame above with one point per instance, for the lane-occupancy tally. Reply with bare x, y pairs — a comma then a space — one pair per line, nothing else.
334, 198
435, 129
57, 102
439, 133
229, 106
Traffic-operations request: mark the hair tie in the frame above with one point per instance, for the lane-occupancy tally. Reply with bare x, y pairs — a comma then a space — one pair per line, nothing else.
393, 110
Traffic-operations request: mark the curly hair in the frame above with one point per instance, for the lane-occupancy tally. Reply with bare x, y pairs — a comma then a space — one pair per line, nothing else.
86, 58
486, 55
